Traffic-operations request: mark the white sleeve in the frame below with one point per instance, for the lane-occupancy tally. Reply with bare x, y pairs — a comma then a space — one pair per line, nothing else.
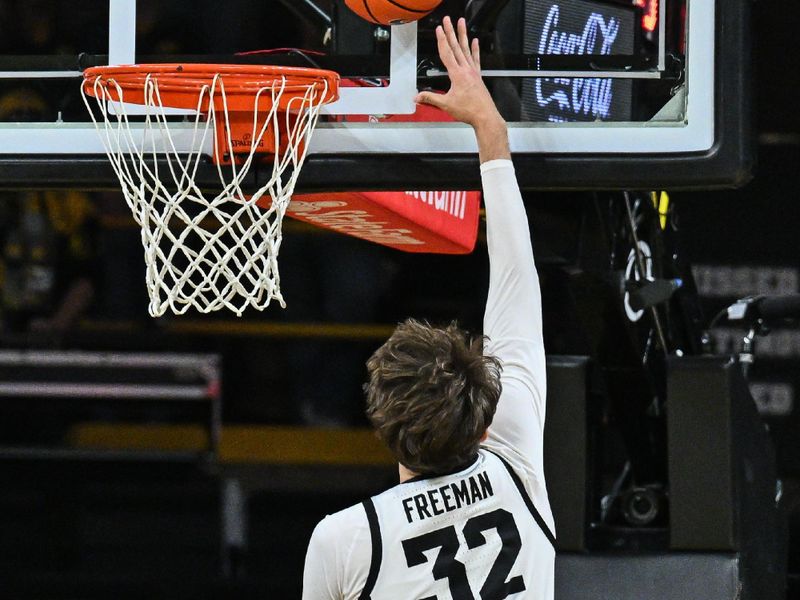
513, 321
338, 557
321, 576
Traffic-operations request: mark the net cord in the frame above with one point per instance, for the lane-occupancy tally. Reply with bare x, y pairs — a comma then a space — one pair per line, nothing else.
234, 264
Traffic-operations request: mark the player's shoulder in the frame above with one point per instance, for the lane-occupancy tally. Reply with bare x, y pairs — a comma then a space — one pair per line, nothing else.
340, 547
339, 527
507, 456
523, 474
518, 467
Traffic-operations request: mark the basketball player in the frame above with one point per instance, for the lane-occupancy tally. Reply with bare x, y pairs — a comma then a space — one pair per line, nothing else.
470, 518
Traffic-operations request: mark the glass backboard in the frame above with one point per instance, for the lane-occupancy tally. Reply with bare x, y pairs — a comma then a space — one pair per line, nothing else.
597, 93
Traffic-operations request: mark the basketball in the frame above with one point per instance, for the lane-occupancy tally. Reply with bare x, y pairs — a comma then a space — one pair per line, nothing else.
392, 12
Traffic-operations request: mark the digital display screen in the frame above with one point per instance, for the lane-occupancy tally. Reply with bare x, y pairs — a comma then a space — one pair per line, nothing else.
577, 27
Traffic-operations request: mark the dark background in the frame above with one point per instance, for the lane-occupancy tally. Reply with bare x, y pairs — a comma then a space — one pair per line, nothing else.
100, 529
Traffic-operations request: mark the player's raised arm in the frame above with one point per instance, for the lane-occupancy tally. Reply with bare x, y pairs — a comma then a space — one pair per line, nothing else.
431, 394
513, 320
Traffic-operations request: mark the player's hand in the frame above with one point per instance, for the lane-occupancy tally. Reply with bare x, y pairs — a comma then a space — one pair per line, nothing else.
468, 99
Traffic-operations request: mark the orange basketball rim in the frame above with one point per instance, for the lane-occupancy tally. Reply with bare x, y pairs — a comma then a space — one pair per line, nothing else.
252, 98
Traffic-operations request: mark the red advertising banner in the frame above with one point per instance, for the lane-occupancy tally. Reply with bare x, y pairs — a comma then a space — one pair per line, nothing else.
432, 222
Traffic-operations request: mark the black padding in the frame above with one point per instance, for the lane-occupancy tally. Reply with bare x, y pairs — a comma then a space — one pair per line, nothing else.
722, 474
566, 449
651, 577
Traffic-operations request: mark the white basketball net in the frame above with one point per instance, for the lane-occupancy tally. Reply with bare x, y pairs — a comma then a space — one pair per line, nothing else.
204, 252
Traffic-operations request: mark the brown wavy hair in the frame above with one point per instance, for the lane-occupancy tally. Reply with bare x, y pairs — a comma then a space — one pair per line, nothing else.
431, 395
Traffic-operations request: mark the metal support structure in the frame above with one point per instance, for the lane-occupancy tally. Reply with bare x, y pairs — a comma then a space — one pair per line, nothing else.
118, 378
121, 35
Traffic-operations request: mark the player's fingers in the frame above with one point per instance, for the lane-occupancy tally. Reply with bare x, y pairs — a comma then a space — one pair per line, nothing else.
463, 39
452, 40
476, 54
445, 52
430, 98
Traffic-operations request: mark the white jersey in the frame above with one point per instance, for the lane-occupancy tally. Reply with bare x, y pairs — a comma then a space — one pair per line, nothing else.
472, 534
486, 531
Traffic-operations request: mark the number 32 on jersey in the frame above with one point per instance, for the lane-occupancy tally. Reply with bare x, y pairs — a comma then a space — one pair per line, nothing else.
496, 587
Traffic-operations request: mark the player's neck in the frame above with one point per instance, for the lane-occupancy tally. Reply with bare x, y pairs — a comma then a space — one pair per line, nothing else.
405, 474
